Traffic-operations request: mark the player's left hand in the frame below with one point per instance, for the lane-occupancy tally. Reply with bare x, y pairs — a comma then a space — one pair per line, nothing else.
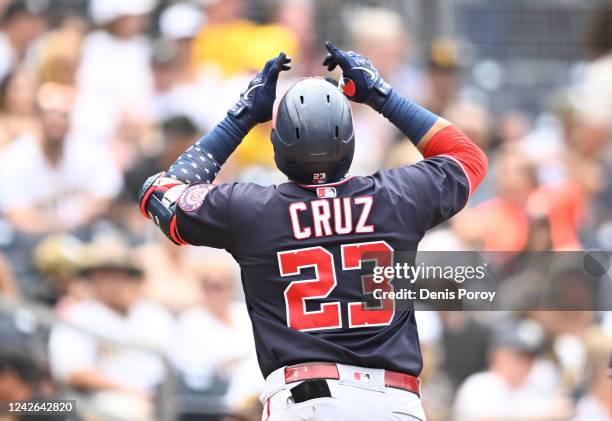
361, 81
258, 99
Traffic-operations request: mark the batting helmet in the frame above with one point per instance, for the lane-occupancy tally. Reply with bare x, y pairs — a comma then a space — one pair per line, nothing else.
313, 134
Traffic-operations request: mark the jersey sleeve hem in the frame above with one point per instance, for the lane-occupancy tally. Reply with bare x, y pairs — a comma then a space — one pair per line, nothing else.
452, 143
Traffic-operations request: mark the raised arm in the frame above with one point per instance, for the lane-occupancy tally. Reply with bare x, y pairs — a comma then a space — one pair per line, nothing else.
202, 161
432, 135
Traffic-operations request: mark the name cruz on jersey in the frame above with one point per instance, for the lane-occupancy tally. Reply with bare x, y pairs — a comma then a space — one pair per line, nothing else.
331, 217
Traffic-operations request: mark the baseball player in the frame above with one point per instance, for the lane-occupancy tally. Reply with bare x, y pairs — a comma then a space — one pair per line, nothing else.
300, 244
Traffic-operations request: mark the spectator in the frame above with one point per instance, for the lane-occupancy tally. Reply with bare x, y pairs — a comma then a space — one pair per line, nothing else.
214, 349
477, 123
50, 183
124, 89
505, 390
530, 209
112, 353
444, 76
178, 133
515, 181
180, 23
474, 120
595, 91
56, 258
17, 105
20, 24
233, 45
572, 180
18, 378
23, 378
593, 406
299, 17
171, 275
379, 34
181, 89
436, 388
60, 53
464, 345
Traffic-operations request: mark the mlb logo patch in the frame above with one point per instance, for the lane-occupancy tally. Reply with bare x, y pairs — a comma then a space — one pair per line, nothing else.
326, 192
358, 376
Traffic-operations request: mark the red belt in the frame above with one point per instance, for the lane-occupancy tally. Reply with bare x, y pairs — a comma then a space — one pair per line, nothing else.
299, 372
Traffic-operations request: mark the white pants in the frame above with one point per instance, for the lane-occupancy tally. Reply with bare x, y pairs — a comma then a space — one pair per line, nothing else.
350, 400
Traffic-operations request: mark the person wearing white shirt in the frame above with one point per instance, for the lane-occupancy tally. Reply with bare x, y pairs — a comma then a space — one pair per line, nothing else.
593, 93
20, 24
114, 77
507, 390
114, 345
214, 340
51, 182
596, 403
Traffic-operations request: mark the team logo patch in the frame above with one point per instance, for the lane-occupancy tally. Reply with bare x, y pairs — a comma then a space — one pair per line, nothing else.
193, 196
326, 192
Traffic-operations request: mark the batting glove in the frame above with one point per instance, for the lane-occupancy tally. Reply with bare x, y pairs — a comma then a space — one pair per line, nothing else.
361, 81
258, 99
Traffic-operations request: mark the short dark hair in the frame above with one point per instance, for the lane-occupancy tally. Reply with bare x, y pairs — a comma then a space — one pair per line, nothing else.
179, 125
24, 365
599, 34
23, 7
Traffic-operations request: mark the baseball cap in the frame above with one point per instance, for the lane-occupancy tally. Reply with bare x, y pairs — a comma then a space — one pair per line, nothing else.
57, 254
109, 252
444, 55
525, 336
105, 11
181, 21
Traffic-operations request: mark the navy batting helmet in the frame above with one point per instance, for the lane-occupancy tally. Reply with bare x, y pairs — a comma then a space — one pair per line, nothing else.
313, 134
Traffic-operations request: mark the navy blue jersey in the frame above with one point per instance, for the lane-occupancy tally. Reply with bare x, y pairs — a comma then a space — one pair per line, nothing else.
300, 248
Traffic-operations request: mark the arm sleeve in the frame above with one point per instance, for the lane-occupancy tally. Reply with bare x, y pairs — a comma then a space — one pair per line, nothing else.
202, 161
410, 118
452, 143
165, 200
436, 188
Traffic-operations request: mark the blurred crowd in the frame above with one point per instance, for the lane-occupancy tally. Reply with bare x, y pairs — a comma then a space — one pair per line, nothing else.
96, 96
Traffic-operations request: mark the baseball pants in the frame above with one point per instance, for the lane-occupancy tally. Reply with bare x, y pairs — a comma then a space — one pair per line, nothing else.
358, 394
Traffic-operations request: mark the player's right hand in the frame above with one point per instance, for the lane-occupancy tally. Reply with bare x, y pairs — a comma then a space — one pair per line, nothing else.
361, 81
257, 100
